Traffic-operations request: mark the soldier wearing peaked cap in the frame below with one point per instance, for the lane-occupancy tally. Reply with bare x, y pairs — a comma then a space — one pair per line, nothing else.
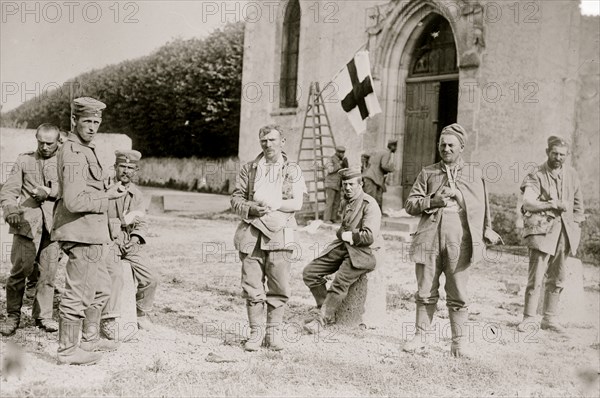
27, 199
552, 214
128, 230
380, 165
333, 184
353, 253
81, 228
451, 198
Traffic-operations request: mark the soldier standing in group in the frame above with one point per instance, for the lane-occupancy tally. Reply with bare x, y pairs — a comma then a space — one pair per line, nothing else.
268, 192
27, 199
380, 164
81, 227
451, 198
333, 184
553, 213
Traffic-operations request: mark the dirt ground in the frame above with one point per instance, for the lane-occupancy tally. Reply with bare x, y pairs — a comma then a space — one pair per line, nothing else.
201, 320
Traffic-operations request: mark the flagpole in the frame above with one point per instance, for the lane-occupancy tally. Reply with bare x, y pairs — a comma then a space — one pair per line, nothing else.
340, 71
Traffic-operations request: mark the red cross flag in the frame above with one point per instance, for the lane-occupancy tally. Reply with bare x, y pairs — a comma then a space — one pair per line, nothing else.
355, 91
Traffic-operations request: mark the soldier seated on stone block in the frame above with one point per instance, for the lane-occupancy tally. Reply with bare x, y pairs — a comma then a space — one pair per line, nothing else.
351, 254
128, 230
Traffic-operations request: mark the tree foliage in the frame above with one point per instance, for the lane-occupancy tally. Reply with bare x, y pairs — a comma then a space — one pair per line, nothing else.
182, 100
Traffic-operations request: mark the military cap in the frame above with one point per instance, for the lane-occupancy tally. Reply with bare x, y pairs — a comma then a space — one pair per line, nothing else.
340, 148
456, 130
128, 156
556, 140
87, 106
350, 172
392, 142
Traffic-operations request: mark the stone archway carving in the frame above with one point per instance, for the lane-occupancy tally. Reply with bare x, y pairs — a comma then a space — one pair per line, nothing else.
396, 27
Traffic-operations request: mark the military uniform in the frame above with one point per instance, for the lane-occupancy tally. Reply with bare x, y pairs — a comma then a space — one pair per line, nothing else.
553, 241
448, 239
122, 229
81, 227
380, 164
265, 244
333, 185
361, 217
31, 239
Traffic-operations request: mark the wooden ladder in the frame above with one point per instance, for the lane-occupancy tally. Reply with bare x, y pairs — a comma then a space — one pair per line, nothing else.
316, 145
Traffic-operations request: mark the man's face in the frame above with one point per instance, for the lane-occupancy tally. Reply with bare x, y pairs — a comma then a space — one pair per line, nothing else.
47, 142
393, 147
125, 172
450, 148
557, 156
86, 127
352, 187
340, 154
272, 144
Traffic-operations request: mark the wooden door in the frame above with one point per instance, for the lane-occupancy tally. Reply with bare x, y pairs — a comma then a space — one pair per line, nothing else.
421, 131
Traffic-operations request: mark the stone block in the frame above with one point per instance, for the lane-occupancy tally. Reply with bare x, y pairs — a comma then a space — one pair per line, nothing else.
365, 303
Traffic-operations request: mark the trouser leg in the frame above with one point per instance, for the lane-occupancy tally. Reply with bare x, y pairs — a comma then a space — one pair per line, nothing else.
112, 309
47, 264
22, 257
146, 280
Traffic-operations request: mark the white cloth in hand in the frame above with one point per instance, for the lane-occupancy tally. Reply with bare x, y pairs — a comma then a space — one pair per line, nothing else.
347, 237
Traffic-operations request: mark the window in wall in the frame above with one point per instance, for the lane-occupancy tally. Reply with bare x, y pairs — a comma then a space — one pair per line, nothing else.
289, 56
435, 53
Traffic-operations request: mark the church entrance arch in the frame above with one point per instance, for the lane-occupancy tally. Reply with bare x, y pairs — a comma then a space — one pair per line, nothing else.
430, 96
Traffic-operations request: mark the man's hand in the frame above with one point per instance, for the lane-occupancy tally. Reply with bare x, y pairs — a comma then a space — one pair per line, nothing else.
14, 220
437, 201
347, 237
257, 210
133, 242
116, 191
492, 237
40, 193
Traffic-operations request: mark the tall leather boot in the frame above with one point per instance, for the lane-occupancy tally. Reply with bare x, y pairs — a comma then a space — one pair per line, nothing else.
69, 352
273, 337
423, 325
530, 309
90, 336
326, 315
255, 317
550, 319
459, 333
320, 294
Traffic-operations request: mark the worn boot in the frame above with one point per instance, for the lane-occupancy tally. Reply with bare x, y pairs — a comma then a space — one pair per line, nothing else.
69, 352
326, 315
255, 317
526, 323
550, 319
11, 325
320, 294
109, 328
459, 333
423, 325
90, 336
273, 337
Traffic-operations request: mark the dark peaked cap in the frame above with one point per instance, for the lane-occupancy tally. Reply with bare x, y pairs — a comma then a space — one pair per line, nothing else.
128, 156
87, 106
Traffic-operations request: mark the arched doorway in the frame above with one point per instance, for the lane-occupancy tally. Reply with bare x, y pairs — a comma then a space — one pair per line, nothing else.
431, 96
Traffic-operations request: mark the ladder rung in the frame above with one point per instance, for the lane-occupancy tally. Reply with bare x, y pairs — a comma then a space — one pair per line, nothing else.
317, 125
